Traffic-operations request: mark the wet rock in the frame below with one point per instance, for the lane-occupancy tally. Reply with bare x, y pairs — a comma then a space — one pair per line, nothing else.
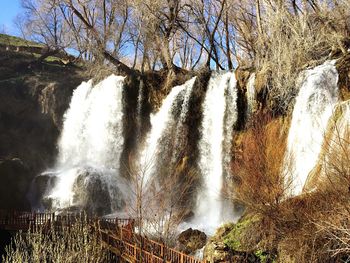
92, 194
217, 251
192, 240
39, 188
54, 101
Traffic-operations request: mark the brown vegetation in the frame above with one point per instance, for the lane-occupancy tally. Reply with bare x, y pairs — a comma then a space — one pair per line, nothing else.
343, 67
258, 179
312, 227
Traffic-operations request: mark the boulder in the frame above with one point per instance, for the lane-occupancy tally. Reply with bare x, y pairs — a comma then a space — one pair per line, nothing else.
92, 194
192, 240
230, 245
217, 251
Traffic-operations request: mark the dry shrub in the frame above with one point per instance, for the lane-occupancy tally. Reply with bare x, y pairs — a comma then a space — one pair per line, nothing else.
78, 242
343, 68
333, 170
289, 42
335, 228
259, 183
336, 163
332, 221
314, 228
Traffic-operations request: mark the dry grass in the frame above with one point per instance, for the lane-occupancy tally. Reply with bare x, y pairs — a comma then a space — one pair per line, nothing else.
77, 243
291, 42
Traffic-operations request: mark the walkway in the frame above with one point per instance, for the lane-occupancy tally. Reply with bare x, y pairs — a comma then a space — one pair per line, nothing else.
117, 235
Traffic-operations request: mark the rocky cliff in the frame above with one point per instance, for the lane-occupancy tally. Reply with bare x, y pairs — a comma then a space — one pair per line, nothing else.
32, 103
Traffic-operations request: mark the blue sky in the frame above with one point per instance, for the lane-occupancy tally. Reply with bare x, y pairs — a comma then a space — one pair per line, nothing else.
9, 9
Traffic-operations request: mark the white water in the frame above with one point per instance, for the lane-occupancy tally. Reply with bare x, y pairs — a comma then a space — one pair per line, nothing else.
179, 136
185, 104
251, 96
230, 118
92, 137
214, 147
160, 123
314, 106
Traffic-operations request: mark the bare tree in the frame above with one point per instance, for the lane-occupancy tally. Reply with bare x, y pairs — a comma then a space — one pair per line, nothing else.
44, 23
155, 34
158, 203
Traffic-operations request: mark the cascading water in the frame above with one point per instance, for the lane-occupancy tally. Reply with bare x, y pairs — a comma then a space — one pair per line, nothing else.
179, 138
314, 106
229, 122
91, 141
251, 95
162, 121
214, 146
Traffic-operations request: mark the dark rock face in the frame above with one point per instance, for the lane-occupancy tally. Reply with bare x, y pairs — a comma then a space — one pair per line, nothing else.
14, 184
54, 100
32, 104
25, 132
39, 187
31, 112
192, 240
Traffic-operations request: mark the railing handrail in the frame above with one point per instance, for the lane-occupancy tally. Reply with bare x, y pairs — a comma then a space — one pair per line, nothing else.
124, 226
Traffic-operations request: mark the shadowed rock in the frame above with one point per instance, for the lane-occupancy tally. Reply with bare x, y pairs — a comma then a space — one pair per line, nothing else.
192, 240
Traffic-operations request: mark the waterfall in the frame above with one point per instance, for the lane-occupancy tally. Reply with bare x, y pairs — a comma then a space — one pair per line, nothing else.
313, 107
91, 141
180, 129
214, 146
162, 121
230, 119
251, 95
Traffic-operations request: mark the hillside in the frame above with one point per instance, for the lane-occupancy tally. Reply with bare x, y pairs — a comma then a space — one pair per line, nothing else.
8, 40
